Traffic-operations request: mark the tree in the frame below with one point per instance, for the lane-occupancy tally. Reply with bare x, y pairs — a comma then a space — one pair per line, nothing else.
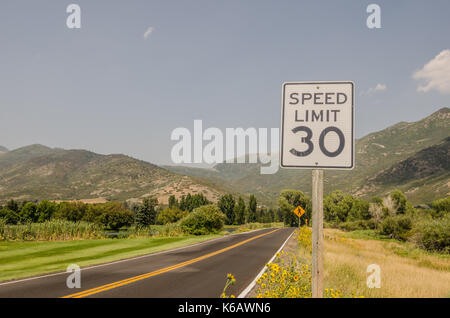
171, 215
13, 206
115, 215
337, 206
239, 212
10, 216
28, 213
45, 210
226, 205
288, 201
252, 216
173, 202
146, 212
359, 210
402, 205
191, 202
71, 211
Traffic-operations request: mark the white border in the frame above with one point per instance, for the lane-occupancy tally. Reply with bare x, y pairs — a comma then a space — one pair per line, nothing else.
282, 127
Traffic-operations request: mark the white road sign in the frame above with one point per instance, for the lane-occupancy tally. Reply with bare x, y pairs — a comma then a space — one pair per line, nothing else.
317, 125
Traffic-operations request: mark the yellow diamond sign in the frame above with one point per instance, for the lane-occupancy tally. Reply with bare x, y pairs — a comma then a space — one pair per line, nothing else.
299, 211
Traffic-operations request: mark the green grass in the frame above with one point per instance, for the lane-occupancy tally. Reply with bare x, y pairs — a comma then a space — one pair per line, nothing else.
25, 259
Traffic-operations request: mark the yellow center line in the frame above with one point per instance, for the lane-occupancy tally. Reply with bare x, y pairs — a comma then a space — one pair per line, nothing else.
160, 271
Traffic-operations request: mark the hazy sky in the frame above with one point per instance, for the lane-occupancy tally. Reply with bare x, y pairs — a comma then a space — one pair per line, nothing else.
138, 69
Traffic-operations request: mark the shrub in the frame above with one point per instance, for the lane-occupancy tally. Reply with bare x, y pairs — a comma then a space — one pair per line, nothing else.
115, 215
397, 227
171, 215
359, 210
357, 225
9, 216
28, 213
442, 206
401, 204
433, 234
71, 211
203, 220
93, 213
45, 210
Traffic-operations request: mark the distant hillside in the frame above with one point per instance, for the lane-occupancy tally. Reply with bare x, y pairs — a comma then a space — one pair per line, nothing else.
23, 154
424, 175
375, 152
38, 172
3, 149
427, 162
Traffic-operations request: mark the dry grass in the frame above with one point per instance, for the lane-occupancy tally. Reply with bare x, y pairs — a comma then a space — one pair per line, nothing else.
405, 271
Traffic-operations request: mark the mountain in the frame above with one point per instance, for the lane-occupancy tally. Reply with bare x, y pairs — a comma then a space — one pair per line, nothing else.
23, 154
374, 153
3, 149
37, 172
425, 174
431, 161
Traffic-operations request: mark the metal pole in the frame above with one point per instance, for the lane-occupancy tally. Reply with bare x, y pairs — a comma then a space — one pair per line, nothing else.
317, 233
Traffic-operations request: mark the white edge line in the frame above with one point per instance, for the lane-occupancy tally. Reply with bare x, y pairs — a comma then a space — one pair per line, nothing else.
253, 283
128, 259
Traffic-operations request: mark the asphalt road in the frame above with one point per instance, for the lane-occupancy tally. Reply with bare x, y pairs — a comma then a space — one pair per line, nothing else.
195, 271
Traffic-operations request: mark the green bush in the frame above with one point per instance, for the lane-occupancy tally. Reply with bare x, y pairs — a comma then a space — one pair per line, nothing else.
45, 210
71, 211
93, 213
402, 205
397, 227
115, 215
28, 213
203, 220
357, 225
442, 206
171, 215
9, 216
433, 234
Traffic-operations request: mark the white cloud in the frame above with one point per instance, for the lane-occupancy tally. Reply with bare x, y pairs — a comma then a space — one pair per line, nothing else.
378, 87
436, 74
148, 32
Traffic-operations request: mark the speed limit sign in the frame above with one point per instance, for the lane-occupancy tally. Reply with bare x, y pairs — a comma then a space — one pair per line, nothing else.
317, 125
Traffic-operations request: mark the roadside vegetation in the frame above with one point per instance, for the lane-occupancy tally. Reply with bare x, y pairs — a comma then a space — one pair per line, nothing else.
406, 271
189, 215
44, 237
392, 217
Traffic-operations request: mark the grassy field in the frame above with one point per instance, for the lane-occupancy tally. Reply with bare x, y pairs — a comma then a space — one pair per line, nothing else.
405, 270
24, 259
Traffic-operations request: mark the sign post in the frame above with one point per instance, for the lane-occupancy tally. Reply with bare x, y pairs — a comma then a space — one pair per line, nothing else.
317, 132
317, 233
